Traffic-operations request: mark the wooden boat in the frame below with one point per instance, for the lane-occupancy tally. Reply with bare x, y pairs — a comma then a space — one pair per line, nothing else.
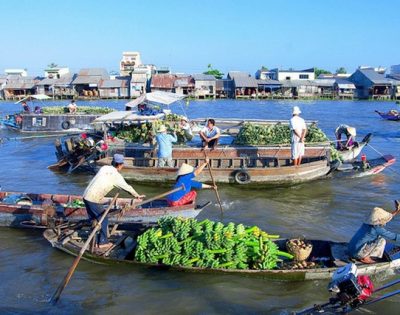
349, 155
327, 255
392, 115
230, 164
372, 167
41, 210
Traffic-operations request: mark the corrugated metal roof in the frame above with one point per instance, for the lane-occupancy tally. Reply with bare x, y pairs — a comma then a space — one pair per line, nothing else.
187, 81
324, 82
345, 84
268, 82
244, 80
297, 83
91, 76
94, 72
47, 81
19, 85
374, 76
87, 80
164, 81
65, 80
203, 77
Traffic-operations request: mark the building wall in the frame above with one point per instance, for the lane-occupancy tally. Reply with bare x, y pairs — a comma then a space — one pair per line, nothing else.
205, 88
282, 75
362, 83
109, 92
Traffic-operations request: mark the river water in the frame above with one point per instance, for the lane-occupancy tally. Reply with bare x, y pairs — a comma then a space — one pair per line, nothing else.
30, 270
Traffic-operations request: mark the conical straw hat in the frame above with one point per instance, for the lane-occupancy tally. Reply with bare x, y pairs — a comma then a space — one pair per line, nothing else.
378, 216
352, 131
185, 169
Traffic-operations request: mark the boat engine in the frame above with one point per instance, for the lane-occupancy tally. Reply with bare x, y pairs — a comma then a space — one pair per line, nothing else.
349, 288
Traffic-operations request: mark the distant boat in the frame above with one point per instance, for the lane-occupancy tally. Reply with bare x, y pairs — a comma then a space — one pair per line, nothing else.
392, 115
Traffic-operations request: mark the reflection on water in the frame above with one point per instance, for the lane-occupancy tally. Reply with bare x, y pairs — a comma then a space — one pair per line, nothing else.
325, 209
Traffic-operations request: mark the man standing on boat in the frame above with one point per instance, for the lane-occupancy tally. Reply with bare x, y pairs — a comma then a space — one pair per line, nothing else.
185, 177
370, 239
298, 130
210, 135
105, 180
165, 141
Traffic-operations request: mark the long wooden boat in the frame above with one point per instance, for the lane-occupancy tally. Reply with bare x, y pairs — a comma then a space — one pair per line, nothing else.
372, 167
41, 210
327, 255
230, 164
349, 155
392, 115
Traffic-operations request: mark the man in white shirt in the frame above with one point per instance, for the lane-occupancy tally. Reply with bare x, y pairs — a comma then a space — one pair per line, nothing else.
105, 180
210, 134
298, 130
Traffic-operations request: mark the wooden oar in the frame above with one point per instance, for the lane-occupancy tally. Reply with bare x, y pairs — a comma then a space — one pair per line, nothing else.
71, 270
115, 227
213, 181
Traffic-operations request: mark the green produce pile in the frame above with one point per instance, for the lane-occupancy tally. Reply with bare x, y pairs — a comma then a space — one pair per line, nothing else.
251, 134
146, 132
208, 244
80, 109
75, 204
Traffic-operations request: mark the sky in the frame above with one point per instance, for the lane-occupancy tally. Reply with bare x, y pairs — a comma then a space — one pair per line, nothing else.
188, 35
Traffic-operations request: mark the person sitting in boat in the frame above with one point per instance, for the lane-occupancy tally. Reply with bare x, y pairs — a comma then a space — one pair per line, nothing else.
210, 135
370, 239
350, 133
165, 141
38, 110
25, 107
187, 129
185, 177
107, 178
72, 107
298, 130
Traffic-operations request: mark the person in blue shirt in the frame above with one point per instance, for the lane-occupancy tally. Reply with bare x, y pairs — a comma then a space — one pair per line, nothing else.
370, 239
165, 141
185, 177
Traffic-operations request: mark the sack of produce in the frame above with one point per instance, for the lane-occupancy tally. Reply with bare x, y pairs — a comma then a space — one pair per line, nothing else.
300, 249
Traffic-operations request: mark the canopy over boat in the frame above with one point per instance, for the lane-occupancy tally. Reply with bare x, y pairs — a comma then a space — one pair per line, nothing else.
126, 116
156, 98
39, 97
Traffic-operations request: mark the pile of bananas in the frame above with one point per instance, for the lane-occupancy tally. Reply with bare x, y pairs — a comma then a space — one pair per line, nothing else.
208, 244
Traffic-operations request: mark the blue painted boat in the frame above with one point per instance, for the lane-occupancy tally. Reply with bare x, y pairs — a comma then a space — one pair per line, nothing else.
392, 115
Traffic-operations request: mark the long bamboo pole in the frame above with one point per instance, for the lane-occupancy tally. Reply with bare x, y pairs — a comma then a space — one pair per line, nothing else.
213, 181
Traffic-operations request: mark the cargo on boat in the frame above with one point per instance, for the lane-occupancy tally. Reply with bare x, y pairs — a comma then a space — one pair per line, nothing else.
325, 258
230, 164
41, 210
392, 115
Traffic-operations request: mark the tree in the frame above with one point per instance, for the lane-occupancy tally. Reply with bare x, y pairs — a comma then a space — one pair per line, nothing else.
341, 70
318, 71
52, 65
216, 73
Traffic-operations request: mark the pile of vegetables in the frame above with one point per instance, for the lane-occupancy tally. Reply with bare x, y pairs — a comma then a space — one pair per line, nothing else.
80, 109
251, 134
208, 244
76, 203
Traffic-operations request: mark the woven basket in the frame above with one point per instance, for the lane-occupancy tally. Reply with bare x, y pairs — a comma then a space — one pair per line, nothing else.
299, 253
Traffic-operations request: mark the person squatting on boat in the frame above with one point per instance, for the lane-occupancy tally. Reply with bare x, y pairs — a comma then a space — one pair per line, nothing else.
370, 239
210, 135
164, 142
185, 176
72, 107
105, 180
298, 130
350, 133
187, 130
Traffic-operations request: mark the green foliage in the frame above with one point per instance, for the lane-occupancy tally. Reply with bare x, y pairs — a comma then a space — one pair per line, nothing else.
216, 73
208, 244
341, 70
81, 109
318, 71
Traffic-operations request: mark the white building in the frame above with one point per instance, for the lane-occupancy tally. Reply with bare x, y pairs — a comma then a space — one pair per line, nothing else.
292, 75
130, 60
56, 72
17, 72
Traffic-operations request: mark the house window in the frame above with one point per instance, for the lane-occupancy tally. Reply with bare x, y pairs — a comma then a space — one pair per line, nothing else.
287, 78
303, 76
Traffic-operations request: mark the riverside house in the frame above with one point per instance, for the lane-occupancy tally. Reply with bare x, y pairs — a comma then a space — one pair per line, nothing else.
116, 88
244, 85
205, 86
371, 84
88, 80
224, 88
184, 84
163, 82
344, 89
18, 87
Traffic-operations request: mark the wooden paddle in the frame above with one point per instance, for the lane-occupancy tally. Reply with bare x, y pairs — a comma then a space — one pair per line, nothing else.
71, 270
213, 181
120, 215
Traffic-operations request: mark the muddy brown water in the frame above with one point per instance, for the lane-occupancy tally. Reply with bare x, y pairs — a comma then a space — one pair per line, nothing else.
30, 270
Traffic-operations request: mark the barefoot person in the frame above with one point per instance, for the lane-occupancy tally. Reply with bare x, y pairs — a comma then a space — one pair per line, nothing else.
164, 142
210, 134
349, 132
105, 180
370, 239
298, 130
185, 177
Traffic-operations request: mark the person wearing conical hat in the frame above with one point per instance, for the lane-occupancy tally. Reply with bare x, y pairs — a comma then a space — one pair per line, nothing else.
370, 239
298, 129
350, 133
185, 176
164, 142
186, 128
